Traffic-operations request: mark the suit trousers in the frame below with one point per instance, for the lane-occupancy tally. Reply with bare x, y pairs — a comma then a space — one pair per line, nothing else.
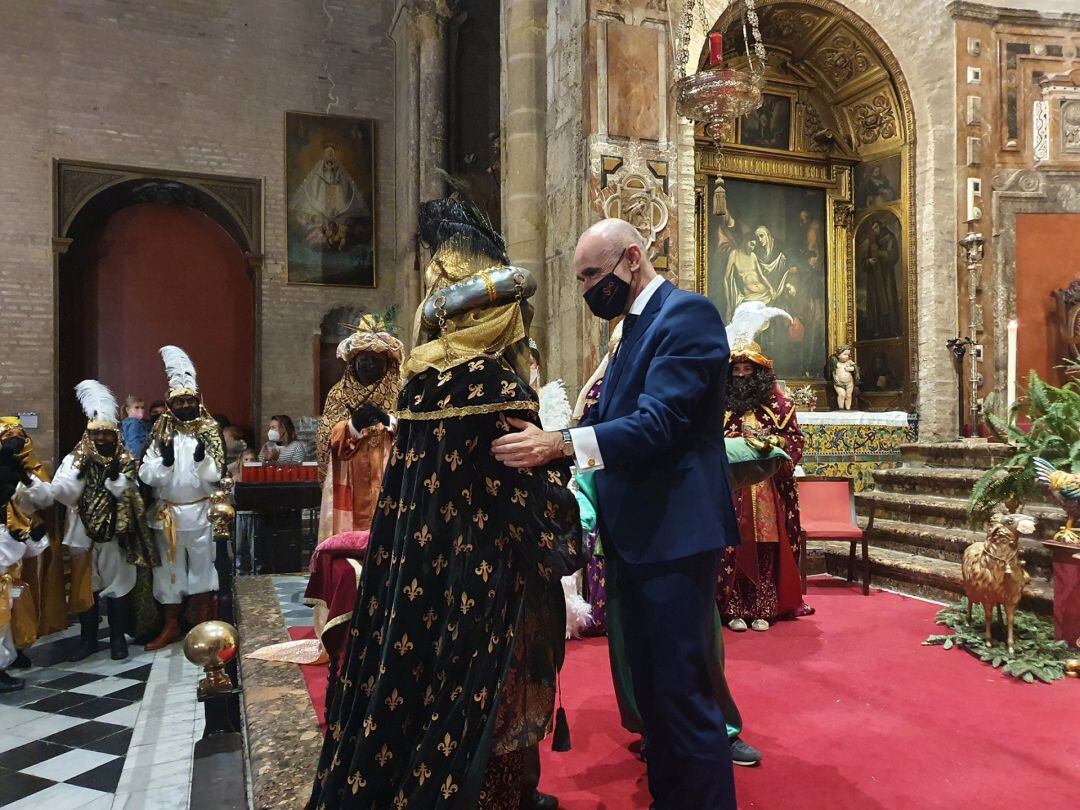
668, 611
620, 672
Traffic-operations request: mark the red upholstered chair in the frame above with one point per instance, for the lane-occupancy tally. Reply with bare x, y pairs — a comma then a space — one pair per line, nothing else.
827, 512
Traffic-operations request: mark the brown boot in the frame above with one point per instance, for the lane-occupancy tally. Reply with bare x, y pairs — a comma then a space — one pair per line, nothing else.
200, 608
170, 632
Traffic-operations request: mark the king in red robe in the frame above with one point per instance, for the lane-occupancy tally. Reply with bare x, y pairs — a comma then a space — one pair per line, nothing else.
760, 577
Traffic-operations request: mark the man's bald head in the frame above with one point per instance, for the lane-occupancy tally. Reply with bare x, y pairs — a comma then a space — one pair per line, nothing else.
612, 245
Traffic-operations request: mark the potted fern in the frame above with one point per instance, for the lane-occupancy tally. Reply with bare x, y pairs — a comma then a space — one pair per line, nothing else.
1053, 433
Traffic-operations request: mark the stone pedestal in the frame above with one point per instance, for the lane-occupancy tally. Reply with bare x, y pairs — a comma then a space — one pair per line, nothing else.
1066, 590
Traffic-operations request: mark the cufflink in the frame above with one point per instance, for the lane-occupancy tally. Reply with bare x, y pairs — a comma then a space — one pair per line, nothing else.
591, 462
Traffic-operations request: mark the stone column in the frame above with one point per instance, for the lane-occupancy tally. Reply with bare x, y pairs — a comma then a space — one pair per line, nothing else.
524, 144
419, 32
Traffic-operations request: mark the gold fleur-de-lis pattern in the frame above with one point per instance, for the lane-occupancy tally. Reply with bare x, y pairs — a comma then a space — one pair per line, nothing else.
456, 541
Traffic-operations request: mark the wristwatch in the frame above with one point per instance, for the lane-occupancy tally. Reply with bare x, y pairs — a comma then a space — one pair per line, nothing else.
567, 443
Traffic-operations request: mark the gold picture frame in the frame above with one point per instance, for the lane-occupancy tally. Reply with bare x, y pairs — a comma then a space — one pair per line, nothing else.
832, 179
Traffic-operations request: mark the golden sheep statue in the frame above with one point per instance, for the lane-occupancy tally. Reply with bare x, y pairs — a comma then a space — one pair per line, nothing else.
993, 572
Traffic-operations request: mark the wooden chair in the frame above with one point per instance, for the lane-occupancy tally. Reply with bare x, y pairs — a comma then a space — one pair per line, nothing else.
827, 512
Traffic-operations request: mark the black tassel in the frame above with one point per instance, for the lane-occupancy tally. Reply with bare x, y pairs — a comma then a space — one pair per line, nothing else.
560, 740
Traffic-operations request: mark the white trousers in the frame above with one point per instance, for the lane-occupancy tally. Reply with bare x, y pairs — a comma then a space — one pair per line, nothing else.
193, 571
8, 653
113, 575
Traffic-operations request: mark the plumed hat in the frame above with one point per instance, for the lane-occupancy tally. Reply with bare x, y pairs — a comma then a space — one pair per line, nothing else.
749, 320
180, 371
99, 405
373, 334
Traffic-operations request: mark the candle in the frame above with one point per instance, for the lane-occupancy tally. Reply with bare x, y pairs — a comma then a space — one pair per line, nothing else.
716, 48
1011, 385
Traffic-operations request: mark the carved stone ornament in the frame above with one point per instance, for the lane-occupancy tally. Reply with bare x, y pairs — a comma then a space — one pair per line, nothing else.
1070, 127
1040, 142
637, 199
875, 120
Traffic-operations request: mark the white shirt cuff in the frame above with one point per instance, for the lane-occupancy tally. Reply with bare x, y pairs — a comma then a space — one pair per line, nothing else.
118, 486
586, 449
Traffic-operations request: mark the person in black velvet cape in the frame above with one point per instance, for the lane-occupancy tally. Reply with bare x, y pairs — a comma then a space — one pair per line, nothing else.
436, 702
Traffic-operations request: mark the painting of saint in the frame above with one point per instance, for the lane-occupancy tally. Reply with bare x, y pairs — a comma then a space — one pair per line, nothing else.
878, 278
769, 126
877, 182
770, 248
329, 178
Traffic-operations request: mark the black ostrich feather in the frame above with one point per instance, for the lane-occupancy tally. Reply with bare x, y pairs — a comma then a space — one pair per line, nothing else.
457, 217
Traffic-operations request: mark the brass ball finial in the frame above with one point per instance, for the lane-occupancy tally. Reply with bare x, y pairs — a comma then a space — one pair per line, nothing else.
211, 645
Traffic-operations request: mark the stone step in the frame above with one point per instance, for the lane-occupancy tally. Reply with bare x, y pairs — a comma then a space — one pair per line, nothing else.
976, 455
922, 576
954, 481
944, 543
946, 511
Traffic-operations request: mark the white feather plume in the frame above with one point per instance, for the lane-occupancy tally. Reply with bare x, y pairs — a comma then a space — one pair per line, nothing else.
578, 610
555, 412
179, 369
750, 319
97, 401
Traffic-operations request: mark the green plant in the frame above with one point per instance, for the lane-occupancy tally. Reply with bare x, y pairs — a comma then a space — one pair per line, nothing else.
1036, 656
1054, 434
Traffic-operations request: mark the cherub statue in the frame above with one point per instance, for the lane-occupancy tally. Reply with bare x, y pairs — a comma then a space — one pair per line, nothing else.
844, 376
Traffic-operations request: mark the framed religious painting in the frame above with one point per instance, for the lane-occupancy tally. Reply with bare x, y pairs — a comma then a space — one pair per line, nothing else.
769, 126
783, 246
330, 199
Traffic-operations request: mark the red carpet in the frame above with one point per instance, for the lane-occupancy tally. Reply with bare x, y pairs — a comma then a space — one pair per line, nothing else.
850, 712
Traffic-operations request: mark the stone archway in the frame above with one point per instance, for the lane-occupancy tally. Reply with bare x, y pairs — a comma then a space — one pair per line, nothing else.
218, 222
851, 115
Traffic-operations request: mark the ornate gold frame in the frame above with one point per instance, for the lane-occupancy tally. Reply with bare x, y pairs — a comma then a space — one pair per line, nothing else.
832, 176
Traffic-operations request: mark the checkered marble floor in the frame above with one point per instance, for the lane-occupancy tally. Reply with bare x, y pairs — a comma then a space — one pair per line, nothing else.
99, 733
290, 594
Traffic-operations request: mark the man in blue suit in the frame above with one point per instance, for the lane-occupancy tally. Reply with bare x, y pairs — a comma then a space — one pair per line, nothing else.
665, 509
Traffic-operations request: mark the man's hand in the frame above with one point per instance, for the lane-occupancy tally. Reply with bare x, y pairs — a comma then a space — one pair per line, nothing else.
529, 447
112, 472
200, 451
168, 453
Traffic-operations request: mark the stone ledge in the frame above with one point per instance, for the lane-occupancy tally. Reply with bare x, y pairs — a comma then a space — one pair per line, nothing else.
926, 574
282, 730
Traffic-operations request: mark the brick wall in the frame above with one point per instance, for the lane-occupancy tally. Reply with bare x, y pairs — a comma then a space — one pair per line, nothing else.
200, 85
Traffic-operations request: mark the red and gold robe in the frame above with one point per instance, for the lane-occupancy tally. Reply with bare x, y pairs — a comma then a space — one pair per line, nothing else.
760, 577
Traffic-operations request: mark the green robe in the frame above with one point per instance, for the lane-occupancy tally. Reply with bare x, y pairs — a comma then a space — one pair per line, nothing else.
439, 668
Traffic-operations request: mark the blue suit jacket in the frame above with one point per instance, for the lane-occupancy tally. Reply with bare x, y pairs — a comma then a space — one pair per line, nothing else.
664, 492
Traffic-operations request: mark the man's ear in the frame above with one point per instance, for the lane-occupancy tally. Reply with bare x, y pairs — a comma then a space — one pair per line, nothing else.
633, 258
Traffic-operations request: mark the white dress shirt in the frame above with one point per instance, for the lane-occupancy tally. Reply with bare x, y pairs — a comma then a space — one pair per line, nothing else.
586, 449
67, 488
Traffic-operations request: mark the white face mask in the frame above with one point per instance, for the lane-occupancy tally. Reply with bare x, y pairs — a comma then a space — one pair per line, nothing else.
273, 436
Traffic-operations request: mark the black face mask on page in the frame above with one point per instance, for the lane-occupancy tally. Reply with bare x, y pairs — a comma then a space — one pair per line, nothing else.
607, 298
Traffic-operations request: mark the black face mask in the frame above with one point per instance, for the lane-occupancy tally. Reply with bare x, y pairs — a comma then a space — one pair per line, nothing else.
369, 368
16, 443
607, 298
108, 449
186, 414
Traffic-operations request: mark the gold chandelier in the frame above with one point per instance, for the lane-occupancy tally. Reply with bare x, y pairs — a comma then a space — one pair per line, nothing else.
717, 95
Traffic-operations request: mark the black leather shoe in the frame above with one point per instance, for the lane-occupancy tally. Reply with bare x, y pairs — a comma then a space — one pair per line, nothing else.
539, 801
743, 754
9, 684
21, 661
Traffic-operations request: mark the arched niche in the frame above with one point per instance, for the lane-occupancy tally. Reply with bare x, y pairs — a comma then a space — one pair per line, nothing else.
221, 222
837, 122
335, 326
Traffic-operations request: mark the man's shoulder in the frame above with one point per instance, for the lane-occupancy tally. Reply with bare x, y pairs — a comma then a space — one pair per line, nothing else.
685, 307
